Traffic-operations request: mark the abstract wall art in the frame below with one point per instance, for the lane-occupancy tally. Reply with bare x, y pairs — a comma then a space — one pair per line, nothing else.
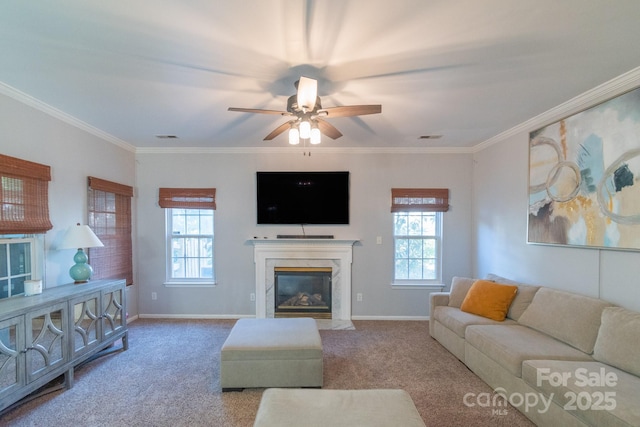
584, 177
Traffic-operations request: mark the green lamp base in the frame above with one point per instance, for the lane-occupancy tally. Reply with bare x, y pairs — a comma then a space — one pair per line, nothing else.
81, 272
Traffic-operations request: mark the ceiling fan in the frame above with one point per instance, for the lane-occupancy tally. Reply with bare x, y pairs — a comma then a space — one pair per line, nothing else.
308, 121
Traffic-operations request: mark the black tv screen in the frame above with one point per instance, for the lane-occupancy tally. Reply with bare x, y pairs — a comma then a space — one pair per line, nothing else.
303, 197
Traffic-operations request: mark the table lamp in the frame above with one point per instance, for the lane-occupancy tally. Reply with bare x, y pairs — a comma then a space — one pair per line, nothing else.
80, 236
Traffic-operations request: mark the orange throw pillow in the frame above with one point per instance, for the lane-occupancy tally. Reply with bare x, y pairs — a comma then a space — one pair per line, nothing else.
489, 299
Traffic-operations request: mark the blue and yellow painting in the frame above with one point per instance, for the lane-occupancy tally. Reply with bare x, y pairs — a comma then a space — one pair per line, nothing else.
584, 177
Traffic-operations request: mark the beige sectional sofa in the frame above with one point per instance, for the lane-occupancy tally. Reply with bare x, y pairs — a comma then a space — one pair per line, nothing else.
560, 358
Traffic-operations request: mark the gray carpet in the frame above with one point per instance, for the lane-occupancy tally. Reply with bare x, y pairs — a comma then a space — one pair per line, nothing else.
170, 377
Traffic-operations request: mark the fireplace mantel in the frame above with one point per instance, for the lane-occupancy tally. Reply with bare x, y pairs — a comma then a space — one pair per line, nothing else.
307, 250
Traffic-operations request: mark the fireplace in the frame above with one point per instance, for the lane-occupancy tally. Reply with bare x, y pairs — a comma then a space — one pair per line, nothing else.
302, 292
270, 254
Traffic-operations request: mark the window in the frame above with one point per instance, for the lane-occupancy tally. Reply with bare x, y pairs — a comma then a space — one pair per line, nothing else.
110, 219
190, 244
417, 245
17, 264
417, 235
190, 234
24, 218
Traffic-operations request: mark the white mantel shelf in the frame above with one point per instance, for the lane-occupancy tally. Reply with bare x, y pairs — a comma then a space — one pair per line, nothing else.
304, 241
308, 250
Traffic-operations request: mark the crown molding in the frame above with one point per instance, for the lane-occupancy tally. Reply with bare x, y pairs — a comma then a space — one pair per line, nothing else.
304, 151
22, 97
597, 95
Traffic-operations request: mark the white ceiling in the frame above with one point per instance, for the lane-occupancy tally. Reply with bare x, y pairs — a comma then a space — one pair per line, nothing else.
464, 69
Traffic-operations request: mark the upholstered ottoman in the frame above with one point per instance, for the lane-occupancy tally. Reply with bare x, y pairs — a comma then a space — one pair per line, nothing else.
337, 408
280, 352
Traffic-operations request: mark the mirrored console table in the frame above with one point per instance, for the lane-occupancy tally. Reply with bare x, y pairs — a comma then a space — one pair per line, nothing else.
45, 336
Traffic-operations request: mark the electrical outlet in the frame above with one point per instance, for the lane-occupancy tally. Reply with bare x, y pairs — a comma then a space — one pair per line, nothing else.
379, 240
154, 295
359, 297
252, 296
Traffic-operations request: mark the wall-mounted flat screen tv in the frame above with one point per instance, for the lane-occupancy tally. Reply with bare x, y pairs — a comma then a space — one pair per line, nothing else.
303, 197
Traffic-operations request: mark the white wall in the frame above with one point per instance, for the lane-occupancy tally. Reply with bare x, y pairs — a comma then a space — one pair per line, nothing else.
73, 155
500, 191
233, 175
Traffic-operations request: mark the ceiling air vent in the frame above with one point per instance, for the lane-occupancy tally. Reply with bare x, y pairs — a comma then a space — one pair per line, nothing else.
430, 137
167, 136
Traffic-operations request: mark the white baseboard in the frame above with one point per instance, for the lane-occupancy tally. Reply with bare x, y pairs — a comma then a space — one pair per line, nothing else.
195, 316
240, 316
422, 318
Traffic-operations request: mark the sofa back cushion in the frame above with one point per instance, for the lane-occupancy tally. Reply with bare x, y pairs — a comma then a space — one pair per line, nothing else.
459, 288
523, 297
489, 299
618, 342
568, 317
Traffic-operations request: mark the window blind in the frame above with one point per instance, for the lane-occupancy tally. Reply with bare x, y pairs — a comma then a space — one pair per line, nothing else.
419, 199
109, 207
24, 196
187, 198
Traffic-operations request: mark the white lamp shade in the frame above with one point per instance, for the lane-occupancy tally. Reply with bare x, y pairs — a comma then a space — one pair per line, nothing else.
315, 136
305, 129
307, 93
80, 236
294, 136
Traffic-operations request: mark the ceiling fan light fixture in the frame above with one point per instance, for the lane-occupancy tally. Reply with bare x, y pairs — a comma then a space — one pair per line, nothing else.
305, 108
315, 135
305, 129
307, 92
294, 136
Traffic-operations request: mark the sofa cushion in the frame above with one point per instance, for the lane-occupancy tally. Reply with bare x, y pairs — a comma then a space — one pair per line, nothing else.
618, 342
523, 297
457, 320
595, 393
571, 318
489, 299
459, 288
510, 345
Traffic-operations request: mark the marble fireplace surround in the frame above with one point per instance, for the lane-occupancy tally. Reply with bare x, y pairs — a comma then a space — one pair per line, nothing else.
309, 252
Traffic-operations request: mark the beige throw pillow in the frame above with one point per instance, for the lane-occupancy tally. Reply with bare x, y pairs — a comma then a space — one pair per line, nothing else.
459, 288
618, 342
523, 297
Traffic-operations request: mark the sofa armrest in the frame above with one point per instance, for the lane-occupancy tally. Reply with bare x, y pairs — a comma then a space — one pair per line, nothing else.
437, 299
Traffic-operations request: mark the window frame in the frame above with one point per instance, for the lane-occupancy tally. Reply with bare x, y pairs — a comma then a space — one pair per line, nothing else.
437, 237
37, 256
409, 201
169, 237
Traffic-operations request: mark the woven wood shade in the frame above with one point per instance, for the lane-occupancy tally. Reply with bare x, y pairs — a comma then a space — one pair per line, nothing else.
419, 199
24, 196
187, 198
110, 219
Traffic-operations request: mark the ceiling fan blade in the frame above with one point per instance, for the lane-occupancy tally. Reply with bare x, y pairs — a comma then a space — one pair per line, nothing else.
328, 129
350, 110
260, 111
307, 93
277, 131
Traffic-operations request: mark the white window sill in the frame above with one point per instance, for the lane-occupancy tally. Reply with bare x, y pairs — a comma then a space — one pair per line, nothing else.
190, 284
429, 286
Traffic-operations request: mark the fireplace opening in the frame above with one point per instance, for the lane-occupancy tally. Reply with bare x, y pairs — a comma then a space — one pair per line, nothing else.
303, 292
